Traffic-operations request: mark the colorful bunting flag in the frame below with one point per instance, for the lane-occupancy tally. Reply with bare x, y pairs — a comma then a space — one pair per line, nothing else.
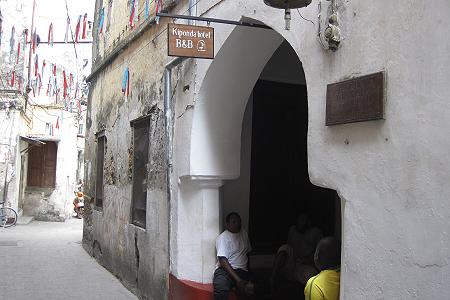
126, 82
39, 84
157, 9
26, 36
43, 68
64, 84
66, 37
33, 43
18, 52
36, 65
77, 29
132, 13
147, 8
101, 20
12, 40
13, 76
84, 26
50, 35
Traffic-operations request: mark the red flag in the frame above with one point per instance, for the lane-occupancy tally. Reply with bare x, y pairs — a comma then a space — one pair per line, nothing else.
133, 7
13, 76
40, 84
77, 29
50, 35
57, 123
157, 9
33, 43
18, 52
84, 26
36, 65
64, 84
43, 68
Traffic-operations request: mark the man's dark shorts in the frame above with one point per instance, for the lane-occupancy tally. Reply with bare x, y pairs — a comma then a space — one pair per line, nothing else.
223, 282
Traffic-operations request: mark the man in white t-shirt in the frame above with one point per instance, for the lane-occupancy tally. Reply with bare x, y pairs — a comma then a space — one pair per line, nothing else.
232, 247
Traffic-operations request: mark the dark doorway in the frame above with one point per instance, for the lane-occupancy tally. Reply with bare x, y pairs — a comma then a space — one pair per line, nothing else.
42, 165
279, 181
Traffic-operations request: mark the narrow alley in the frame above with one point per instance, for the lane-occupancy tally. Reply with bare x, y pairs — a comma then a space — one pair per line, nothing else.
45, 260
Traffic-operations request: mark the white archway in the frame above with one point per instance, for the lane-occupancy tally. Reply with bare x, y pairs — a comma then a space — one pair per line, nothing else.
219, 110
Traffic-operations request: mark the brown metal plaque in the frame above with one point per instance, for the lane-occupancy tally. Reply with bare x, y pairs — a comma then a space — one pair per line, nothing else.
190, 41
356, 100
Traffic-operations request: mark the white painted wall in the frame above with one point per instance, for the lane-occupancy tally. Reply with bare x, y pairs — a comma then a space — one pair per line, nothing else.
10, 156
392, 175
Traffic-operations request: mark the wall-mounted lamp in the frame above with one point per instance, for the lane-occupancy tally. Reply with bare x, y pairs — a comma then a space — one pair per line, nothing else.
287, 5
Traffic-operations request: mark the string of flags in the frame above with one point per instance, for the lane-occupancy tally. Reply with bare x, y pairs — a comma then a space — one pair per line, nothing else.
70, 88
18, 43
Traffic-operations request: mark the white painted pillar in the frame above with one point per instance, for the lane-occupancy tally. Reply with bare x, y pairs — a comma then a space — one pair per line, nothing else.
198, 228
210, 225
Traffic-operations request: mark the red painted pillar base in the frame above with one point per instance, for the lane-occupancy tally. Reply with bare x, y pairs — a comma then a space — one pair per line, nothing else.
190, 290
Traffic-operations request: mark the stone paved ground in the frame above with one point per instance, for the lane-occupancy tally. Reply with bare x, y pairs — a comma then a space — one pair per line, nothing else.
46, 261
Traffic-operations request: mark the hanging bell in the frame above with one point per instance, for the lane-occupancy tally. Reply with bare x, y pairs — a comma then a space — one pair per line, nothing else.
283, 4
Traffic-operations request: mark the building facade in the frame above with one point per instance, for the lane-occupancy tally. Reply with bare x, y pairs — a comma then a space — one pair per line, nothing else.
42, 113
174, 144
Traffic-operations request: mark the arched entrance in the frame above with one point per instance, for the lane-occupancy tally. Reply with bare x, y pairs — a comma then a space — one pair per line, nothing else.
247, 152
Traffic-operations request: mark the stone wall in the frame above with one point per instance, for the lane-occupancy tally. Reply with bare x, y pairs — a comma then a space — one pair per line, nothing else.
391, 174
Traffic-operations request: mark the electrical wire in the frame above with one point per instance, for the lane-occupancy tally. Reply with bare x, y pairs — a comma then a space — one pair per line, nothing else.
73, 39
298, 10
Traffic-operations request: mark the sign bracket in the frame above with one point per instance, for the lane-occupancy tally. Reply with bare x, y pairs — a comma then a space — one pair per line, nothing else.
212, 20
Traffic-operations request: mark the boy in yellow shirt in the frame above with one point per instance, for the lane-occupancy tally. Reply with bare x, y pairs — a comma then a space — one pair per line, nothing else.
325, 285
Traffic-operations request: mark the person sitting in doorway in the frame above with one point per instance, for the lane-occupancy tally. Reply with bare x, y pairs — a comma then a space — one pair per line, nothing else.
232, 247
327, 258
294, 261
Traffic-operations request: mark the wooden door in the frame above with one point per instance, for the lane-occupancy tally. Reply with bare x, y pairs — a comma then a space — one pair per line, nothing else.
42, 165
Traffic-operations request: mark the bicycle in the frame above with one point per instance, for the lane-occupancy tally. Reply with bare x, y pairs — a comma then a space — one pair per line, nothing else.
8, 216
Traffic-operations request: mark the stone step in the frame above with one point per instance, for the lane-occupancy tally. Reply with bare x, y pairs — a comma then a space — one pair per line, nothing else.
24, 220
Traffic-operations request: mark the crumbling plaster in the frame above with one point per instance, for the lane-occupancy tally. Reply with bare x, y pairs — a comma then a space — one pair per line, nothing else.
392, 174
139, 257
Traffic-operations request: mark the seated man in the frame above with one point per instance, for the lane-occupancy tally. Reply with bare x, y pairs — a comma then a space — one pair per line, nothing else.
232, 247
327, 258
294, 261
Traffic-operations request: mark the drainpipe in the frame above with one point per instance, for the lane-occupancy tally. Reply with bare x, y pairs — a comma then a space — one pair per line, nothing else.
169, 125
192, 11
169, 112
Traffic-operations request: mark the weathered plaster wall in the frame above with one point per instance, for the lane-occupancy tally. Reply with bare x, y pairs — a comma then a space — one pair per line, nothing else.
139, 257
10, 156
392, 174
